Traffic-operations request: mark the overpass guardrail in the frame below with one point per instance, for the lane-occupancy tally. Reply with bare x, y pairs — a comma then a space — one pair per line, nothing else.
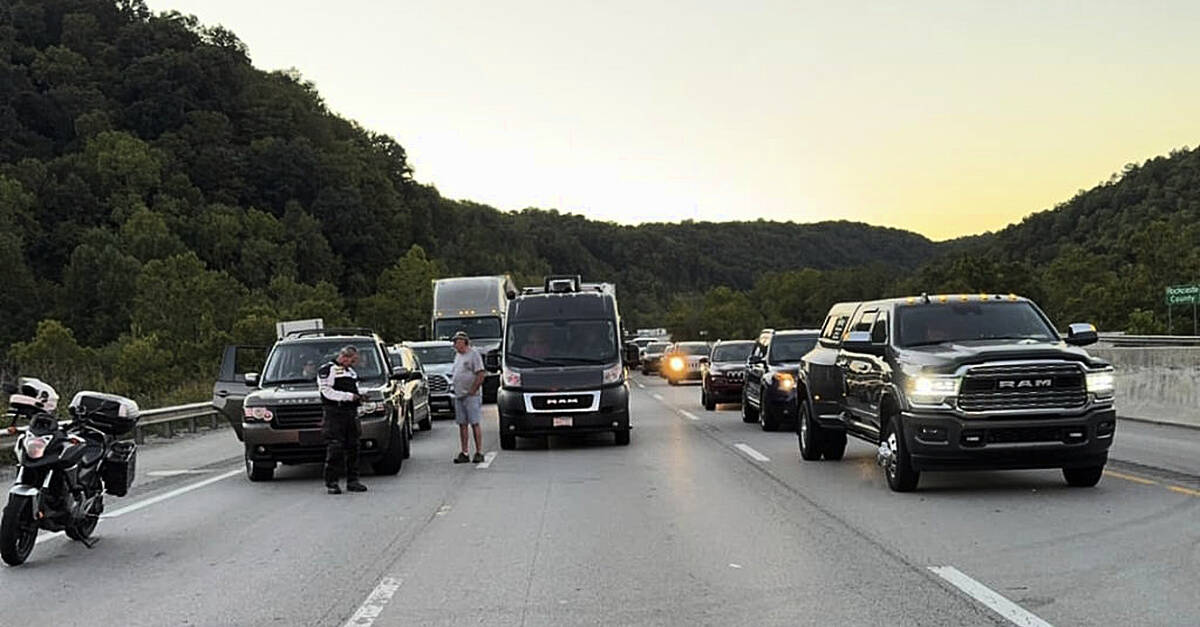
168, 420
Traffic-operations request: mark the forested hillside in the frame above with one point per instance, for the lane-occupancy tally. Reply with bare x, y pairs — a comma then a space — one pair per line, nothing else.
160, 197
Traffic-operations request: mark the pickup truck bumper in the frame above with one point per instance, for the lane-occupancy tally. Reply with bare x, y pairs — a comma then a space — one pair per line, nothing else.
949, 442
611, 415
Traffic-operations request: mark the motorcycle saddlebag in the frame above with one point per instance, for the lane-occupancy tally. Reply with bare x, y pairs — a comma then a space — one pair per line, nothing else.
112, 414
119, 467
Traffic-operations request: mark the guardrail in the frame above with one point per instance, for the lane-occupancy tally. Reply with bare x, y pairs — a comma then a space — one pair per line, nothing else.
1120, 340
165, 418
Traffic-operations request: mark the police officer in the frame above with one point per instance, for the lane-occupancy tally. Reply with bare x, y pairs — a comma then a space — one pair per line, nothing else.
340, 398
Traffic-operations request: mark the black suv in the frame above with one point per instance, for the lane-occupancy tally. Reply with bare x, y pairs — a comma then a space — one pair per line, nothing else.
724, 373
957, 382
769, 392
278, 414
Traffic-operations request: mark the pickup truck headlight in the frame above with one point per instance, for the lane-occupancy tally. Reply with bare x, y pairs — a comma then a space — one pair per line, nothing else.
371, 407
256, 414
932, 390
785, 381
1101, 383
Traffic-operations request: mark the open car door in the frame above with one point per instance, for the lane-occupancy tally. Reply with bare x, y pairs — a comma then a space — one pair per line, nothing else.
231, 387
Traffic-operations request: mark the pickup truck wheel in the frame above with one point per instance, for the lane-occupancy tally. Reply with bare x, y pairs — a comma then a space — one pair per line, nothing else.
258, 471
810, 435
834, 447
897, 465
393, 457
749, 414
1083, 477
709, 405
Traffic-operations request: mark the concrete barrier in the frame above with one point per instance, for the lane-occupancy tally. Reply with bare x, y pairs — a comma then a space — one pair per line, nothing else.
1156, 383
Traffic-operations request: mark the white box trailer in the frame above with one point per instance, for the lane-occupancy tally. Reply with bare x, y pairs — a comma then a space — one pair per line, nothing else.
283, 329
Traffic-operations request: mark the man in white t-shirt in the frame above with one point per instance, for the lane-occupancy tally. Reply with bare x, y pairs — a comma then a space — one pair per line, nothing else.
466, 376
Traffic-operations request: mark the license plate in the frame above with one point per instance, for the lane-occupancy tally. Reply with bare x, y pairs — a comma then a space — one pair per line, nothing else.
311, 438
564, 422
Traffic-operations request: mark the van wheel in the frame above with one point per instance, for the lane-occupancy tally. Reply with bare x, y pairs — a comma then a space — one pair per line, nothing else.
621, 437
258, 471
508, 441
1083, 477
810, 435
393, 457
897, 465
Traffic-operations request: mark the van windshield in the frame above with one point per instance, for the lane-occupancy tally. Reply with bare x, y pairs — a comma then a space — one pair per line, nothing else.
561, 343
298, 362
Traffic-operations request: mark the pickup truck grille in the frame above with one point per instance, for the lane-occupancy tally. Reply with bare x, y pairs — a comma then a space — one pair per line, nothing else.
438, 384
297, 417
1023, 387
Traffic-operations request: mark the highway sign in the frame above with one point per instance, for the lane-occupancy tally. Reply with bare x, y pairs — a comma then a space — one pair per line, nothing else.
1183, 295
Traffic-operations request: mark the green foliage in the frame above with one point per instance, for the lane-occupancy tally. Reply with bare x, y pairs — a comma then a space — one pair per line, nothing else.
54, 355
404, 299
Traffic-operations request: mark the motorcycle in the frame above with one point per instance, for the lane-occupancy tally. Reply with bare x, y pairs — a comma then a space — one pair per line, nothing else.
65, 470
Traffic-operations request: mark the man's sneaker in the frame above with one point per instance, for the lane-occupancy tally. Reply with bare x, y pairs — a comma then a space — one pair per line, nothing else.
355, 486
478, 459
332, 488
462, 458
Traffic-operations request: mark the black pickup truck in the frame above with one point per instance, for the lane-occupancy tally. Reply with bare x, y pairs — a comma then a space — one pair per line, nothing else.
957, 383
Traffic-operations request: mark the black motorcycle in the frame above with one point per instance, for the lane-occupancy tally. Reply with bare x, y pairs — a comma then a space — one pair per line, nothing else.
66, 469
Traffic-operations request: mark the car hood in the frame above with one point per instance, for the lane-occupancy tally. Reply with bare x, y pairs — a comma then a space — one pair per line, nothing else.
948, 357
727, 366
303, 394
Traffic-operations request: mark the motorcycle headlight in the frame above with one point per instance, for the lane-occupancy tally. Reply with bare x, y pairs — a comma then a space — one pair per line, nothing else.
35, 446
614, 374
932, 390
1101, 383
257, 414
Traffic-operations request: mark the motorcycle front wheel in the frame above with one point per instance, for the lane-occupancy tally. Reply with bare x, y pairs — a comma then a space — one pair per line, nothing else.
18, 530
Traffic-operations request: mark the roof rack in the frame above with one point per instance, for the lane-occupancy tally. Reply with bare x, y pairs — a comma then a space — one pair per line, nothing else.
331, 331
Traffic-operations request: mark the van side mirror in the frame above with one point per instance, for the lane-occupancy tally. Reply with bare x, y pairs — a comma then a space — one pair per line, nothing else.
1082, 334
860, 342
491, 361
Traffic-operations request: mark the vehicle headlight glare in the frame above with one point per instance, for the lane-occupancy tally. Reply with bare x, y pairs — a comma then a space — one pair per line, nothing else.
676, 363
1101, 383
785, 381
614, 374
934, 390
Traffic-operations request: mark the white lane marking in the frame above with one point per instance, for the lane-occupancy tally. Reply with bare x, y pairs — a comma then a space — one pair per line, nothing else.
487, 459
170, 495
751, 453
43, 537
735, 565
442, 510
173, 473
1014, 613
378, 599
657, 396
639, 384
689, 415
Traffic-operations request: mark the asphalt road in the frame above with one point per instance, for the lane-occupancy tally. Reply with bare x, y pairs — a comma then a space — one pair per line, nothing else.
701, 520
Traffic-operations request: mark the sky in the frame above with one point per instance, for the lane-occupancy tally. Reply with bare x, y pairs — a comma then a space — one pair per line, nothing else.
947, 118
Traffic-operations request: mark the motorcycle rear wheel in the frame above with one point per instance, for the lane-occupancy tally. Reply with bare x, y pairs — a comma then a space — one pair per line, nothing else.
87, 527
18, 530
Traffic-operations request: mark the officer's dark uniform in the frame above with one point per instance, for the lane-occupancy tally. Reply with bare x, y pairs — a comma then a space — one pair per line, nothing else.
339, 398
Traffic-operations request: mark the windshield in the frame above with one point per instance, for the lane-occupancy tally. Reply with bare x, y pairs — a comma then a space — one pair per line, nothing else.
693, 348
791, 347
476, 328
561, 343
965, 322
656, 347
435, 354
298, 363
732, 352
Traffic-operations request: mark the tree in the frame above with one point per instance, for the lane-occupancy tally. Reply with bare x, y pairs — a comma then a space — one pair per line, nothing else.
404, 300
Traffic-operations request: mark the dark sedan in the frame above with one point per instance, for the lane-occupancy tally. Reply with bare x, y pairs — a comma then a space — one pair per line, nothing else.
725, 373
652, 357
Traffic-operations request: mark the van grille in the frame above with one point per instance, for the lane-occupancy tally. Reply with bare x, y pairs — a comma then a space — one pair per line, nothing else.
1023, 387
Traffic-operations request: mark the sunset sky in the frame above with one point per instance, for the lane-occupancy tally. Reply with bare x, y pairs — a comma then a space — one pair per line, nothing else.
946, 118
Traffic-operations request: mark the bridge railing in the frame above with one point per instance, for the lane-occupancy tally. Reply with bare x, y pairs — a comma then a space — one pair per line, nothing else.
167, 420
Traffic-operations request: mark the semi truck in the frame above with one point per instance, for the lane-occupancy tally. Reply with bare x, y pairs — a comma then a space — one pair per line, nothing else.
478, 306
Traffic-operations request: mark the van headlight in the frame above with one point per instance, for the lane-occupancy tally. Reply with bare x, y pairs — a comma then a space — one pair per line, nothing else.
615, 374
933, 390
1101, 383
511, 379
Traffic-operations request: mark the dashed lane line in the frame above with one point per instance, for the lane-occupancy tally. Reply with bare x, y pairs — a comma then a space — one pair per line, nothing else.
1012, 612
689, 415
751, 453
487, 460
657, 396
370, 610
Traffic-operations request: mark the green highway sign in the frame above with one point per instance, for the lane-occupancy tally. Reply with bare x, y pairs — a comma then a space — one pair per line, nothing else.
1183, 295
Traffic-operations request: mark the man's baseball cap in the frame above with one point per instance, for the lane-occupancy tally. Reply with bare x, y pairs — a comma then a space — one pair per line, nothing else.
461, 335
